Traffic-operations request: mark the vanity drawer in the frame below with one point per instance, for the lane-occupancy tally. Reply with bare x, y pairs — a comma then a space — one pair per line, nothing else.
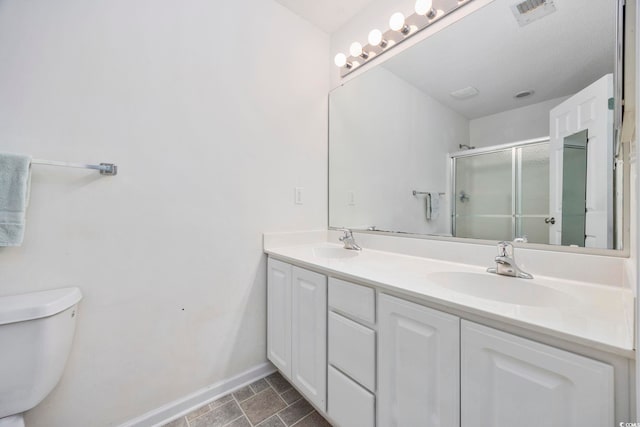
352, 349
355, 300
348, 403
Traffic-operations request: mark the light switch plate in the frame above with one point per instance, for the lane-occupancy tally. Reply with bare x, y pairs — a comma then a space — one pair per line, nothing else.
351, 198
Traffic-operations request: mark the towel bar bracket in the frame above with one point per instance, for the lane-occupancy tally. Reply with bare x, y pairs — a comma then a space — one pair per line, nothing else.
108, 169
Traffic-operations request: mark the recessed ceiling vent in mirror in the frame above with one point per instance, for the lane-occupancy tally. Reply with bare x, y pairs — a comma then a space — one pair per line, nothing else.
464, 93
531, 10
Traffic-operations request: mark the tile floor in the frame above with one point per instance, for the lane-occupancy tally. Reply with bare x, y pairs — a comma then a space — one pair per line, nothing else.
269, 402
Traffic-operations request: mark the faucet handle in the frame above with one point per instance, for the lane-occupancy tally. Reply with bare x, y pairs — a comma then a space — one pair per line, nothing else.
505, 248
348, 234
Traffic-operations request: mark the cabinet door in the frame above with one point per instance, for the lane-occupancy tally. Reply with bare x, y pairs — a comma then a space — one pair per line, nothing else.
511, 381
279, 315
309, 335
418, 365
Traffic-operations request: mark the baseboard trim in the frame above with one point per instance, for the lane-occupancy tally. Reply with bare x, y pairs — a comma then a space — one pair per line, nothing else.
183, 406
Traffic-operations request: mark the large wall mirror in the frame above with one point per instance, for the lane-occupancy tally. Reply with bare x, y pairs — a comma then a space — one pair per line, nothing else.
488, 129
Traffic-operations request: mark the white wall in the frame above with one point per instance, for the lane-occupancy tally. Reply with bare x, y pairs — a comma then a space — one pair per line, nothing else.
514, 125
214, 112
385, 144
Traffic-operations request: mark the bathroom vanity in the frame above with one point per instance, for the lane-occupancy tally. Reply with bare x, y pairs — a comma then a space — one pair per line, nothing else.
382, 338
415, 331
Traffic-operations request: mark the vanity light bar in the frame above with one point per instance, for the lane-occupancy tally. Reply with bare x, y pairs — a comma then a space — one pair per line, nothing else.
401, 28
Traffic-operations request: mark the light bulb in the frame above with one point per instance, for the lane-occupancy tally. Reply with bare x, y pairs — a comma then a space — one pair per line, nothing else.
355, 49
396, 23
425, 7
375, 37
340, 60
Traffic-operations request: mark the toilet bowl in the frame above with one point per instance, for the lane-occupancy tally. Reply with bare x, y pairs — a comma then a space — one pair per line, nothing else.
36, 332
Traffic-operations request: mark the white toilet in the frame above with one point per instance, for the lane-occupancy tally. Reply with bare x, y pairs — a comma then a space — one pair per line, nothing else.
36, 332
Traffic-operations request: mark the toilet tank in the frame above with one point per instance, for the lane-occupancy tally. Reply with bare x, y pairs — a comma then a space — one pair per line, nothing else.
36, 332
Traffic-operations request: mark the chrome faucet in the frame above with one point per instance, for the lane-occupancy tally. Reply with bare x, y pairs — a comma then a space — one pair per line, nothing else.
348, 240
506, 263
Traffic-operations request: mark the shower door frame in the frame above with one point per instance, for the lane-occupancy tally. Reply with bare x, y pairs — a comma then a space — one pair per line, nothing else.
516, 178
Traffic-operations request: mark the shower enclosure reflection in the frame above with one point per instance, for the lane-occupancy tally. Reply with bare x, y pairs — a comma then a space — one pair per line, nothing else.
502, 192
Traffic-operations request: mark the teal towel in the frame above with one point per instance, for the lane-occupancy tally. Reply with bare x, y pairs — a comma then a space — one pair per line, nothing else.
15, 177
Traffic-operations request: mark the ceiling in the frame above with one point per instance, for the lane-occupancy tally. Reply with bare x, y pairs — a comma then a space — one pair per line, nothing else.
555, 56
328, 15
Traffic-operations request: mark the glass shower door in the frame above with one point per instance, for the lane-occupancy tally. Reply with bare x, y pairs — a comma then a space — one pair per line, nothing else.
532, 192
483, 196
502, 193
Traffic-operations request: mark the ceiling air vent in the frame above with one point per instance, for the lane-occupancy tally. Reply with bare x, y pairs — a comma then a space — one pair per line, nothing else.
531, 10
464, 93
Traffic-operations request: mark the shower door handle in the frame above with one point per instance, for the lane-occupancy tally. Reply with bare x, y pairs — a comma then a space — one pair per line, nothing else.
550, 220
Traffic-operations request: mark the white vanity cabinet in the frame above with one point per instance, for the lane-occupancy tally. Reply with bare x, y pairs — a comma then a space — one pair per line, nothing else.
297, 327
365, 358
418, 365
511, 381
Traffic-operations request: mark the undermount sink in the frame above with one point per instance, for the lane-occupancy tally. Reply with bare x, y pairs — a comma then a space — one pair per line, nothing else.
503, 289
333, 252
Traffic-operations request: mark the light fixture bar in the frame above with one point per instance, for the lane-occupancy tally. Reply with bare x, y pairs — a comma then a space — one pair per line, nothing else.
427, 12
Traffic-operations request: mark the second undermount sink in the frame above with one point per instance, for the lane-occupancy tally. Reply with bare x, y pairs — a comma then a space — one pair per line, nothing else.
330, 252
503, 289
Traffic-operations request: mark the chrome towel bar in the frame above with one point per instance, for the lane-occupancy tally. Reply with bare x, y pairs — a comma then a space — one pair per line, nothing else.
104, 168
425, 193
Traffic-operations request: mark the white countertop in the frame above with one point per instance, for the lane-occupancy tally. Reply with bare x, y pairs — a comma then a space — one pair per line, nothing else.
597, 316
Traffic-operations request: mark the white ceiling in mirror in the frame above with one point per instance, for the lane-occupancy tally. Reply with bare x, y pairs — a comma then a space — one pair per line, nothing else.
328, 15
533, 50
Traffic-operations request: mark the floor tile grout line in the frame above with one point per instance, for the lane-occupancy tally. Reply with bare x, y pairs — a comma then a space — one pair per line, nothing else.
279, 395
266, 389
242, 410
301, 419
210, 409
240, 401
261, 379
274, 389
297, 400
293, 403
236, 419
270, 386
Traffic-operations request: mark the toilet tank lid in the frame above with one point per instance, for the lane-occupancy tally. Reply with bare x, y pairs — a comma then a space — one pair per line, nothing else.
34, 305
